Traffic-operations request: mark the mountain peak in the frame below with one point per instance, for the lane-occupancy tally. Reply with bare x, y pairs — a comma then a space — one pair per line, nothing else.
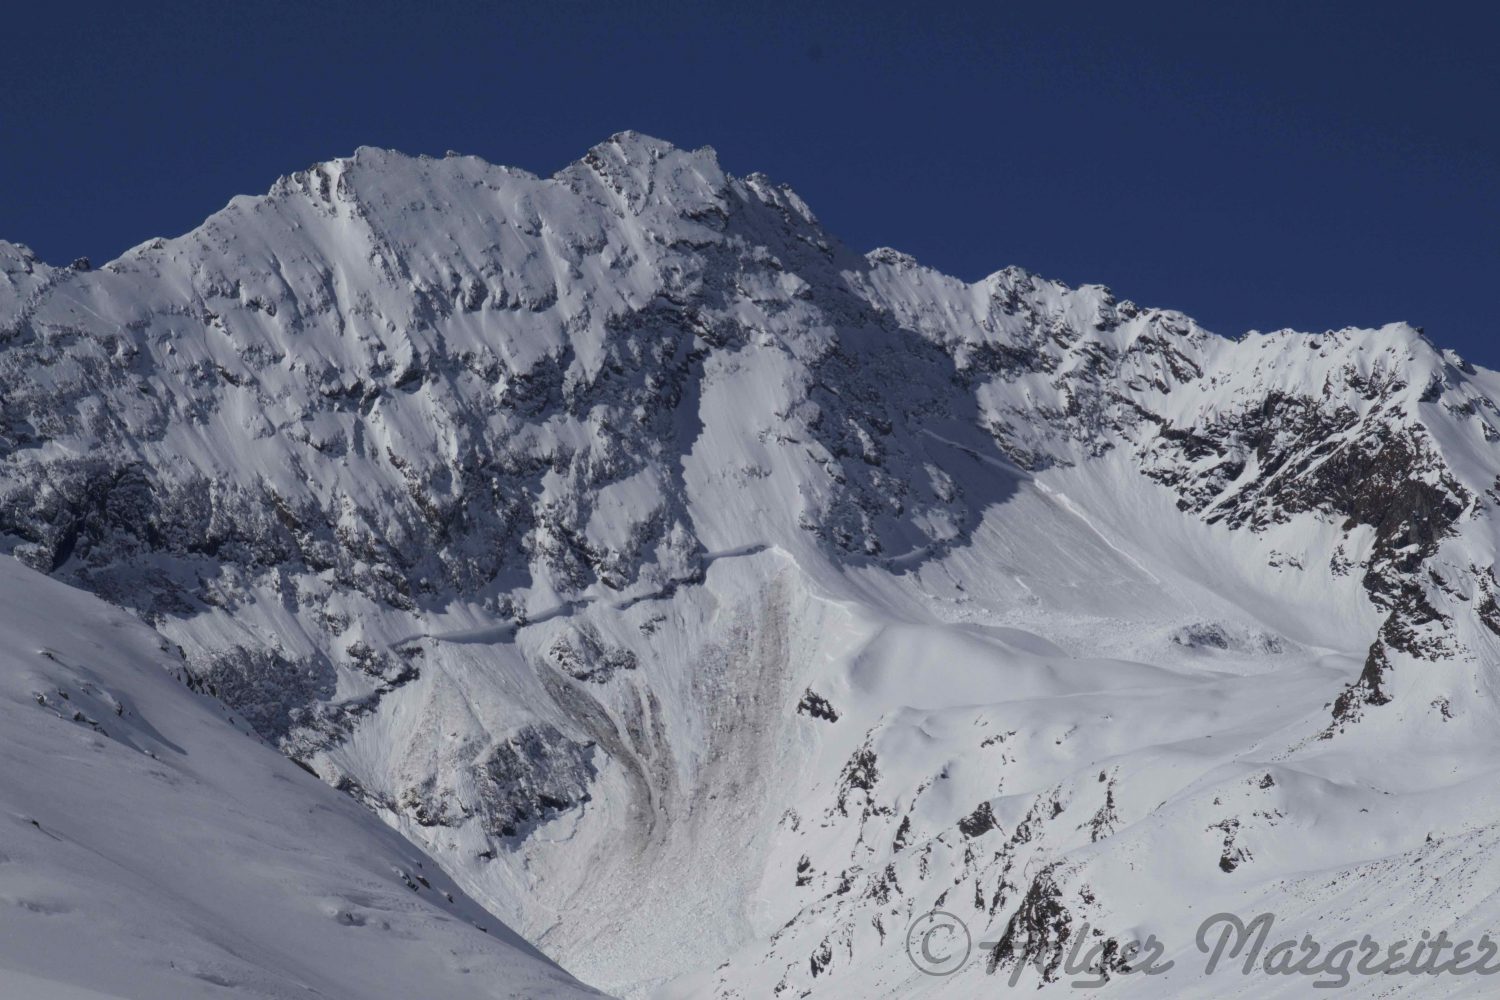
641, 171
640, 147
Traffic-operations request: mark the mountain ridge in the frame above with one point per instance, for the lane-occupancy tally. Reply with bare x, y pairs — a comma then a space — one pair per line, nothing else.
523, 508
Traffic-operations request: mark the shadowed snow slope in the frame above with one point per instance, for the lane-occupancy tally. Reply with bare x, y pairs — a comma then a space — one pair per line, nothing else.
710, 600
151, 846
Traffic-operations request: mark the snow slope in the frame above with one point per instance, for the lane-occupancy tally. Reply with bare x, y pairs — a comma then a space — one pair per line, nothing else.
711, 600
154, 847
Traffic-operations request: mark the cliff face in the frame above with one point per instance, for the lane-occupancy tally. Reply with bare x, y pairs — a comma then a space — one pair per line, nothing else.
672, 572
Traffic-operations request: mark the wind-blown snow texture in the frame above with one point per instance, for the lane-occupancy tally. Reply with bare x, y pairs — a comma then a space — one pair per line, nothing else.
711, 600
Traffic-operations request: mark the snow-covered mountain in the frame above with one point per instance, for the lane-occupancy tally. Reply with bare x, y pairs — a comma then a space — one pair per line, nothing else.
710, 600
154, 846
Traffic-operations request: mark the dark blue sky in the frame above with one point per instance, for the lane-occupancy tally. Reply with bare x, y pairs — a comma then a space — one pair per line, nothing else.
1256, 165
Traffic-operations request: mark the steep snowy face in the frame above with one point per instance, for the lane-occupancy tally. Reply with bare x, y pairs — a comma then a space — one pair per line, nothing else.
154, 846
1376, 432
415, 378
711, 600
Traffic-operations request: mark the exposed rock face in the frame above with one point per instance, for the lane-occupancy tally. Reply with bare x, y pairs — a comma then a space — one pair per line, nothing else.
597, 525
582, 655
533, 774
1040, 931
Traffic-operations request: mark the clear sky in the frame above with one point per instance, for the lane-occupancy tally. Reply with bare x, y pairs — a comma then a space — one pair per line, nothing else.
1257, 165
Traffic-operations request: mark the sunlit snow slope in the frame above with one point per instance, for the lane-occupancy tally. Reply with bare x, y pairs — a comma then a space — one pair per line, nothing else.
152, 847
711, 600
